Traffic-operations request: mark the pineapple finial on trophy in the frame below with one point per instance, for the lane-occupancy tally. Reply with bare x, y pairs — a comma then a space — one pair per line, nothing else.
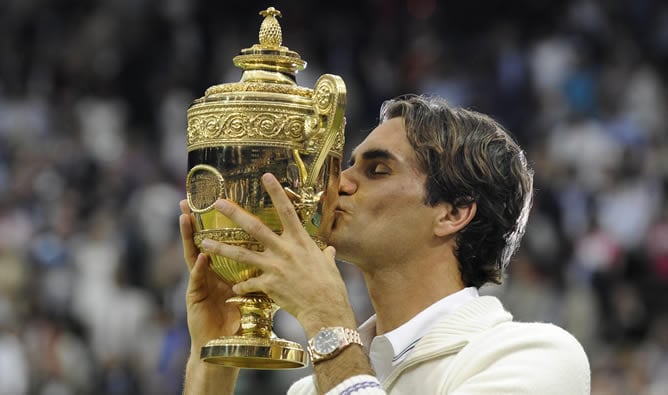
269, 54
270, 30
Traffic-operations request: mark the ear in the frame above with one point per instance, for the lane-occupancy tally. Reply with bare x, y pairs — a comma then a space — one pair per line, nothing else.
451, 219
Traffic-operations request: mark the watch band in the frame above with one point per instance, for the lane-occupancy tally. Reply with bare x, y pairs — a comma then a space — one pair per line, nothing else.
344, 337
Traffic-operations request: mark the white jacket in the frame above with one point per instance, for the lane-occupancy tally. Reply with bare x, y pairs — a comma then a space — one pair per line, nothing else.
478, 349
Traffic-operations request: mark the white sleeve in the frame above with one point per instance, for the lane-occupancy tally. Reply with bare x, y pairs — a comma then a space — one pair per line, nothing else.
355, 385
358, 385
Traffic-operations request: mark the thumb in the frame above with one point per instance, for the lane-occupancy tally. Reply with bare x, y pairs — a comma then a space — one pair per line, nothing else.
330, 252
198, 283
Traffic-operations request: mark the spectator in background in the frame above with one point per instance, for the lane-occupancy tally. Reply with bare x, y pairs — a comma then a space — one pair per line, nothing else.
146, 60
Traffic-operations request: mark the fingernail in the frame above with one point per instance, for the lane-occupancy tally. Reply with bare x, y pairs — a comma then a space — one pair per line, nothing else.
220, 204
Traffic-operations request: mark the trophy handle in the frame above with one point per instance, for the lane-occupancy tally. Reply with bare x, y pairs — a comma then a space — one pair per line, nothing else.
329, 99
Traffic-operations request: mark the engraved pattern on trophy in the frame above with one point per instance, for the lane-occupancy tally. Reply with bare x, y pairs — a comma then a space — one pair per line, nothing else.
256, 316
260, 87
236, 132
254, 125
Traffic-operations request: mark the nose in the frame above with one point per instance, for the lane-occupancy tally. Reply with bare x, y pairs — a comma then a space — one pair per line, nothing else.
346, 185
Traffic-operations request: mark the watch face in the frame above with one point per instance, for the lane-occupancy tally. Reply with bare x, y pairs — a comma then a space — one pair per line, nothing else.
325, 342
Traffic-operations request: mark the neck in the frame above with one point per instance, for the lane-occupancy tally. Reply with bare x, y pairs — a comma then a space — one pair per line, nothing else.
398, 295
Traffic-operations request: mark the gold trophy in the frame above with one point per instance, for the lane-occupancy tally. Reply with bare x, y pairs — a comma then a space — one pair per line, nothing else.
265, 123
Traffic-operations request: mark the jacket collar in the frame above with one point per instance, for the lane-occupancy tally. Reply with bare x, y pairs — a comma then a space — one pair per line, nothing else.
452, 333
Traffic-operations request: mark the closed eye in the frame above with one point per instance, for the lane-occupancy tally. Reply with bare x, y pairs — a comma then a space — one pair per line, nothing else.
379, 169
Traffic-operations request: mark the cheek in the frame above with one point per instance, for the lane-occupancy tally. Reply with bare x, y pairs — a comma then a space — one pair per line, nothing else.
397, 200
397, 204
397, 211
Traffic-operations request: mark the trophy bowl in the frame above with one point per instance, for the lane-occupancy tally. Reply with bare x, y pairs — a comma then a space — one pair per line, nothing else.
265, 123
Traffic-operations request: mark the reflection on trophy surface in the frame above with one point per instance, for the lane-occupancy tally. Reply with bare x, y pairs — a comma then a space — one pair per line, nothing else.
265, 123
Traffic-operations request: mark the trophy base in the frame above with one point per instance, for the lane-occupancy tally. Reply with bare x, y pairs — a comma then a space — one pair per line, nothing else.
254, 353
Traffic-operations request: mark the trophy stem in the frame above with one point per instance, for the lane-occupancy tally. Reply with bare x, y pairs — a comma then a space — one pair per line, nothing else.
255, 346
257, 312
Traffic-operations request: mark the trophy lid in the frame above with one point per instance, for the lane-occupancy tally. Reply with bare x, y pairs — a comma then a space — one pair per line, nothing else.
270, 54
267, 107
267, 66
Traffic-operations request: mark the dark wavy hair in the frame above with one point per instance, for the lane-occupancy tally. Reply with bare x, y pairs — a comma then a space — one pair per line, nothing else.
470, 158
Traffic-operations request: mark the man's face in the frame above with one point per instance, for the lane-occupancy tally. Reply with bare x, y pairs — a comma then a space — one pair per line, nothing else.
381, 212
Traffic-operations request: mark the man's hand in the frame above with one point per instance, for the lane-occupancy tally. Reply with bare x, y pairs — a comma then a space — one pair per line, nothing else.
209, 316
296, 274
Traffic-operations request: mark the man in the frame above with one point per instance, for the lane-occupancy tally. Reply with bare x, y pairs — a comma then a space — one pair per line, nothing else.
432, 207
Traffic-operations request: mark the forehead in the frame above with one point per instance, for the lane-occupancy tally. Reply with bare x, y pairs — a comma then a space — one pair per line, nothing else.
389, 136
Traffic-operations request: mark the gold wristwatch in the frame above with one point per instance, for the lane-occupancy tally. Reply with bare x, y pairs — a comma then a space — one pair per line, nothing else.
329, 342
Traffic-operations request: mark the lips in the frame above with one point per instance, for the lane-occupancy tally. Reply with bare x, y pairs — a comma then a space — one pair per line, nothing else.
339, 209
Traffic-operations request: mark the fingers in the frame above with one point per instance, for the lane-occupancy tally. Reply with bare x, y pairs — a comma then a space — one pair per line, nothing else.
190, 250
330, 252
183, 204
248, 286
253, 225
239, 254
282, 204
250, 223
198, 286
236, 253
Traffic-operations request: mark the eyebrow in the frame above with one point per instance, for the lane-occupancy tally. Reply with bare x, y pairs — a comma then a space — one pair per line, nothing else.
374, 154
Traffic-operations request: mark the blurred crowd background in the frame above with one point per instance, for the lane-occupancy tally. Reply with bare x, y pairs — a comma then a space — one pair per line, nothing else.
93, 97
